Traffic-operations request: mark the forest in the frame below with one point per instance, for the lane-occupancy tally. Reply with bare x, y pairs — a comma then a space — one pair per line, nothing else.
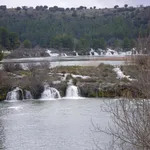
73, 28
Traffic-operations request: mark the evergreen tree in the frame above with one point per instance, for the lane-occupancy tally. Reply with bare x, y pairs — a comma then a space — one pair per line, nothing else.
14, 40
116, 44
27, 44
1, 53
126, 45
126, 5
4, 38
63, 41
82, 44
99, 43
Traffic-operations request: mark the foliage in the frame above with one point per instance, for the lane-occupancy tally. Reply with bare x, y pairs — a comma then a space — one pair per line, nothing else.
52, 27
1, 53
4, 38
14, 40
8, 40
99, 43
27, 44
130, 124
63, 41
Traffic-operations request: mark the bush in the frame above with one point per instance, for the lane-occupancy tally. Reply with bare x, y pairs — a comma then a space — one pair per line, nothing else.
1, 55
11, 67
130, 124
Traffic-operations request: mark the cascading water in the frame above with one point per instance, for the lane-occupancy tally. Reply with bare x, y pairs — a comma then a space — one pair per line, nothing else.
15, 94
75, 53
93, 53
50, 93
72, 90
28, 95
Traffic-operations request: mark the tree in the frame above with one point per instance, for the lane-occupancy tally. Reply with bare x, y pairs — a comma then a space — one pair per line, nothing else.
74, 14
126, 44
4, 38
14, 40
99, 43
126, 5
67, 42
116, 6
72, 9
116, 44
3, 7
80, 8
82, 44
24, 7
45, 7
18, 8
67, 9
37, 8
130, 124
63, 41
27, 44
1, 53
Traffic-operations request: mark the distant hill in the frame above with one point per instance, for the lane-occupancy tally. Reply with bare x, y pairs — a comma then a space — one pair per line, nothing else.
78, 28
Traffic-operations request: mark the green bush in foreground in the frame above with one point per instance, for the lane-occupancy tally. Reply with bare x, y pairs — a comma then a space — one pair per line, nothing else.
1, 55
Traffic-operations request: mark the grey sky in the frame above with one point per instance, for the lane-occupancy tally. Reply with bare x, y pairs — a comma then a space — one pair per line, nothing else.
73, 3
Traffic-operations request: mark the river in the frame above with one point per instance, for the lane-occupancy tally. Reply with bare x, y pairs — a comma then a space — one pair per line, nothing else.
64, 124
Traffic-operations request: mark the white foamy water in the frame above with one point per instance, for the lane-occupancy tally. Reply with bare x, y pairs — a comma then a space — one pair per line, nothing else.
121, 75
16, 107
18, 94
51, 54
50, 93
93, 53
15, 94
72, 91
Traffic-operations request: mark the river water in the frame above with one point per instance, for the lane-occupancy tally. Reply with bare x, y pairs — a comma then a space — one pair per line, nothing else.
52, 125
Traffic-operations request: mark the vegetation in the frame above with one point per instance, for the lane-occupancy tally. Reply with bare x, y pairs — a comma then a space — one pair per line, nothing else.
130, 129
1, 53
27, 44
74, 28
8, 40
102, 81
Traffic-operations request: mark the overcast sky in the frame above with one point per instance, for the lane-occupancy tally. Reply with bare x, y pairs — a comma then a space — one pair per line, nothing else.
73, 3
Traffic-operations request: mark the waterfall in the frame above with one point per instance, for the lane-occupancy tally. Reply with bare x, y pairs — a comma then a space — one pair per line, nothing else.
77, 54
50, 93
15, 94
49, 52
72, 90
28, 95
93, 53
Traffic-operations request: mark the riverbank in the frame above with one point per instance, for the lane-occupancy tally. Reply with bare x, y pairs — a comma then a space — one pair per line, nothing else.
67, 58
98, 81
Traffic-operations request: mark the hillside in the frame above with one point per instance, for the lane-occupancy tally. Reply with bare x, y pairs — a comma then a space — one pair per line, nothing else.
79, 28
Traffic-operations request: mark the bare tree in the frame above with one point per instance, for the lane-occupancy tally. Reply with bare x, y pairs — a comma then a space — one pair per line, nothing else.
143, 45
130, 128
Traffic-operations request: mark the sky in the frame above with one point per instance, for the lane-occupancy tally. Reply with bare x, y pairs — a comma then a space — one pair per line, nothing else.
74, 3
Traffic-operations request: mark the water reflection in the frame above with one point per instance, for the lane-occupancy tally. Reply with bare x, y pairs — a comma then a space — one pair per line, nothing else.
62, 124
2, 134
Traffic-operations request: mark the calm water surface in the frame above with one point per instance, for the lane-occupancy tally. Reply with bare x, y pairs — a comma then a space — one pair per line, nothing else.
52, 125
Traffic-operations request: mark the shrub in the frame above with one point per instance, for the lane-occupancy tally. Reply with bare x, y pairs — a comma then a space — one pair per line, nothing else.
11, 67
1, 55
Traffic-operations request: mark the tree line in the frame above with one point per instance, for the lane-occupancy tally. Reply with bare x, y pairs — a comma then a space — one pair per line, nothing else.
75, 29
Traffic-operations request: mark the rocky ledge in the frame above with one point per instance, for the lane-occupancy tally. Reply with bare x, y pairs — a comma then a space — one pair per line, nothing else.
101, 81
